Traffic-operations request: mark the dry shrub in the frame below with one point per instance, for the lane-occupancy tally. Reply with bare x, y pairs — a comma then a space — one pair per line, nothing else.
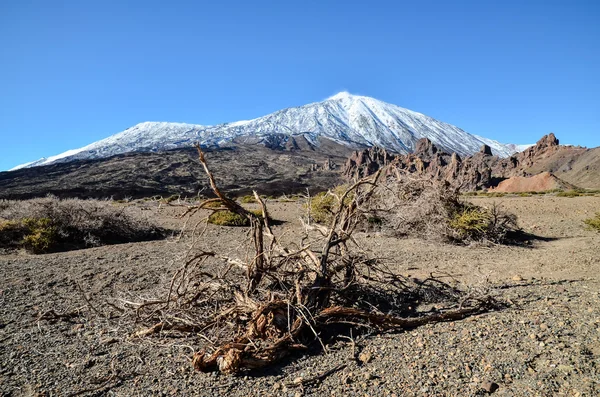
288, 297
52, 224
434, 210
593, 223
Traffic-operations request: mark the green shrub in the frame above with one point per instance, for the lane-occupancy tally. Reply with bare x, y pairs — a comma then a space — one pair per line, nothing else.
472, 222
569, 193
525, 194
323, 205
375, 222
593, 223
249, 199
214, 204
41, 236
229, 218
171, 198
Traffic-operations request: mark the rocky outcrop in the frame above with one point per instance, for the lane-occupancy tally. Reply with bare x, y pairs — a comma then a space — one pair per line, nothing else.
366, 162
567, 165
520, 162
427, 161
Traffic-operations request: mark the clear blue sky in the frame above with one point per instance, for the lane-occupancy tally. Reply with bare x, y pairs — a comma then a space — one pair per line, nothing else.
73, 72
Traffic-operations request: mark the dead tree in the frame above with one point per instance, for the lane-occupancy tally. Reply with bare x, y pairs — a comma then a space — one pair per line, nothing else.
292, 295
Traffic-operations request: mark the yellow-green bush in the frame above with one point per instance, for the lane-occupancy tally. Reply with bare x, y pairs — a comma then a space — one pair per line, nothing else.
41, 235
593, 223
474, 223
323, 205
249, 199
213, 204
171, 198
229, 218
38, 235
569, 193
471, 222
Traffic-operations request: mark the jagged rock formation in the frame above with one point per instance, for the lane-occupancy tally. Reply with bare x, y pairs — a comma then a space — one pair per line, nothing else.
429, 161
366, 162
565, 167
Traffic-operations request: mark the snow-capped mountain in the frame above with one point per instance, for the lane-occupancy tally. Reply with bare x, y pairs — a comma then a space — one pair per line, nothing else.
350, 120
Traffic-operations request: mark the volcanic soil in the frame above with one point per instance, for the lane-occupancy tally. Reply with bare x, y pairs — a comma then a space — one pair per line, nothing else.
546, 341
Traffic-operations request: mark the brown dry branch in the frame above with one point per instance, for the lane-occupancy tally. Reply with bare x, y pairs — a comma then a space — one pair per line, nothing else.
285, 298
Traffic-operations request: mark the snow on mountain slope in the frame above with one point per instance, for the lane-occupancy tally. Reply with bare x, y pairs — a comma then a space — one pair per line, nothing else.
350, 120
519, 148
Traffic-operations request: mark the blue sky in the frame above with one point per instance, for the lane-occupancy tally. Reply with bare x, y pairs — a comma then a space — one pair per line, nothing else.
73, 72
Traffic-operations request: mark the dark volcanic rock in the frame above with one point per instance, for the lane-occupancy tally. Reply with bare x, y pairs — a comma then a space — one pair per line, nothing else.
238, 170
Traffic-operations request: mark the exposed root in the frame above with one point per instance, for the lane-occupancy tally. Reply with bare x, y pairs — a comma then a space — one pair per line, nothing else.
285, 298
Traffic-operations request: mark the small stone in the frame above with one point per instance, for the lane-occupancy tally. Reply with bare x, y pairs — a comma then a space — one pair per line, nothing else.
369, 376
544, 327
77, 327
489, 387
365, 357
276, 386
517, 277
298, 380
108, 341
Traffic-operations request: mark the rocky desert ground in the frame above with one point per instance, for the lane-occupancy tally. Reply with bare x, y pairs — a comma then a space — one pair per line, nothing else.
545, 342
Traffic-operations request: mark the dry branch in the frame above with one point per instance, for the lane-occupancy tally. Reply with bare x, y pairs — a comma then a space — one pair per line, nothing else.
291, 296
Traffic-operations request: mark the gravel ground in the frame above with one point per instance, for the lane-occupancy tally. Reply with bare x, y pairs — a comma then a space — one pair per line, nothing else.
546, 342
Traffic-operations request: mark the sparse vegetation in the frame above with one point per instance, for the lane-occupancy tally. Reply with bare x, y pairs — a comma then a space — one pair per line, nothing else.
569, 193
322, 206
284, 298
593, 223
433, 210
51, 224
171, 198
213, 204
248, 199
474, 223
229, 218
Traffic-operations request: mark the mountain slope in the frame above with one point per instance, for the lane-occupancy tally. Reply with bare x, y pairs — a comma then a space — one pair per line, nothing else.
238, 170
350, 120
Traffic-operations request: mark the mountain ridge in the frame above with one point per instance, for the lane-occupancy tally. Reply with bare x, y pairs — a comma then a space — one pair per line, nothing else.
351, 120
